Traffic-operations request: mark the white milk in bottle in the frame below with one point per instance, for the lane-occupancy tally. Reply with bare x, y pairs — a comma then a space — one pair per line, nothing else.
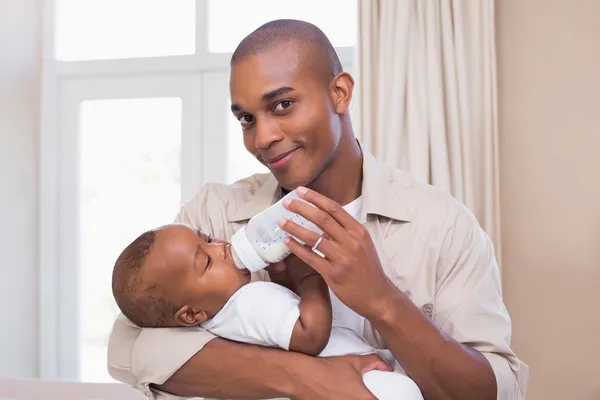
260, 243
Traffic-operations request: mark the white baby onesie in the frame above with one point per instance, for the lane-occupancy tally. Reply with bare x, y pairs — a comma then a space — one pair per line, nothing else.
264, 313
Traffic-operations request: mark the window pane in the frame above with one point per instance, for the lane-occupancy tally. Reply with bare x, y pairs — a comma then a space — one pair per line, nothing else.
231, 20
240, 163
105, 29
130, 176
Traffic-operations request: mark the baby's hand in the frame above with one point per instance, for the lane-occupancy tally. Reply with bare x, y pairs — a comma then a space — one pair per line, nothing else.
278, 274
298, 269
290, 272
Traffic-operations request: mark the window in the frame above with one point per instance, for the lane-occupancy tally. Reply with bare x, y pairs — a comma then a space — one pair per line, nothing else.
104, 29
135, 120
121, 146
231, 20
124, 190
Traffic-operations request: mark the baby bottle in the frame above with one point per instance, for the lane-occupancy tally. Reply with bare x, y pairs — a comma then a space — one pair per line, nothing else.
260, 243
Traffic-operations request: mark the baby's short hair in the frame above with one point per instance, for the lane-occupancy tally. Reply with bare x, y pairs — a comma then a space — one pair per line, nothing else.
143, 304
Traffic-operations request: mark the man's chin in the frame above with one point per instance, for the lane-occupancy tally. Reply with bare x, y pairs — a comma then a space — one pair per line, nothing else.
290, 183
295, 174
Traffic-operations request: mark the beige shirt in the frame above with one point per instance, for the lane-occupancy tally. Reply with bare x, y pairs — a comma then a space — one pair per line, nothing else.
429, 245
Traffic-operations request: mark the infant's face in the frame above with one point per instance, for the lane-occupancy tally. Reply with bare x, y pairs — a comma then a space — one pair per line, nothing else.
193, 269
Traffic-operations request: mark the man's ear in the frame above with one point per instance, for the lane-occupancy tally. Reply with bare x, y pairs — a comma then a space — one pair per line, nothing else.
341, 88
187, 316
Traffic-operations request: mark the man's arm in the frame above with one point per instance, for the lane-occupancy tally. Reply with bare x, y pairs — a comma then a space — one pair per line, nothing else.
443, 367
224, 369
313, 328
197, 364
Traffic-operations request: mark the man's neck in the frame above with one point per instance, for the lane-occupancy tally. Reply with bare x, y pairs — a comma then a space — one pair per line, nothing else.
342, 179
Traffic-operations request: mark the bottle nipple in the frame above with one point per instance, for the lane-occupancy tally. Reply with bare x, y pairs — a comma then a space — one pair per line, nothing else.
238, 263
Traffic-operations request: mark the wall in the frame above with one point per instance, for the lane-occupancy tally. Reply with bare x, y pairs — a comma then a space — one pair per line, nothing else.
19, 109
549, 100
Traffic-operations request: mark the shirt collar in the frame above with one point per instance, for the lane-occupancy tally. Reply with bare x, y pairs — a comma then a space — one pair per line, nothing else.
381, 195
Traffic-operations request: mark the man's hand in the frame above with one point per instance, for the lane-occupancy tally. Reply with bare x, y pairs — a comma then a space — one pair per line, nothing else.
231, 370
338, 378
351, 266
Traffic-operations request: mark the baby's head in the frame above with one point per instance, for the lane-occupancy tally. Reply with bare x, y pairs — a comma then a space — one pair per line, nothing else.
175, 276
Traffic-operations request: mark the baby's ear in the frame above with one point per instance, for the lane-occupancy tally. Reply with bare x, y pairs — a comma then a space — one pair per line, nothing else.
187, 316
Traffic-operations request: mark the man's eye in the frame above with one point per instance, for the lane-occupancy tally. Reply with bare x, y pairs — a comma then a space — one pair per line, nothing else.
282, 105
245, 119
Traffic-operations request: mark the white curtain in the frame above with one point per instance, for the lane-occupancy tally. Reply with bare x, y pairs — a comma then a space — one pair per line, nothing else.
427, 97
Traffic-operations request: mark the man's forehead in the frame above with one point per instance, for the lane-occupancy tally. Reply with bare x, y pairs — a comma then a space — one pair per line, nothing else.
253, 79
275, 64
289, 49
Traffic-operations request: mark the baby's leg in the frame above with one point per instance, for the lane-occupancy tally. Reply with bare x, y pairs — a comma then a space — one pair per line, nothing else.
391, 386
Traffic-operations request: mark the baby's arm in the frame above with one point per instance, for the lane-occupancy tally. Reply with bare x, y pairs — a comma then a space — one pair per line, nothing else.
313, 328
269, 314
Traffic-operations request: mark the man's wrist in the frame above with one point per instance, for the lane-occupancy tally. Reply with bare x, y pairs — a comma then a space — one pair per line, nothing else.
384, 309
296, 374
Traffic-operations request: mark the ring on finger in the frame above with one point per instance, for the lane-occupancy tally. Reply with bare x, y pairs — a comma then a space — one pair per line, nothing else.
314, 248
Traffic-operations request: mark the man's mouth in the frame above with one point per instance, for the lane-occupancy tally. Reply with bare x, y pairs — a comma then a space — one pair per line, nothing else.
280, 160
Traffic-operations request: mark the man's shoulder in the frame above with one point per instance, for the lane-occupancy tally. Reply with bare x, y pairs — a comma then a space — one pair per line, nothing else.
421, 199
242, 188
228, 195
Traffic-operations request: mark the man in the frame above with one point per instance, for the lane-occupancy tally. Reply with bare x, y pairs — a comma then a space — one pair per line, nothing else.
416, 274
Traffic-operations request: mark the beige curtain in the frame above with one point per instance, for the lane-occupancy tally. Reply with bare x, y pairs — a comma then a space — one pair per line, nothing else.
427, 96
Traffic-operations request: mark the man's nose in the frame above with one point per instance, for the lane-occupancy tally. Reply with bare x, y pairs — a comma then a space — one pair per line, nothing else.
267, 133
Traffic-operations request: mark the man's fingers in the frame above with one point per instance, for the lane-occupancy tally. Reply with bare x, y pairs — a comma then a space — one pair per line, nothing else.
310, 238
306, 236
326, 222
329, 206
306, 254
372, 362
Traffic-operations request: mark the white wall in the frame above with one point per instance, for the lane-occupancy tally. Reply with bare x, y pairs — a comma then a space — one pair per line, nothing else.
19, 108
548, 64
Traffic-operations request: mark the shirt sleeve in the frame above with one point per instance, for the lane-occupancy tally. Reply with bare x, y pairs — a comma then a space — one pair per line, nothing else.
143, 356
469, 305
268, 313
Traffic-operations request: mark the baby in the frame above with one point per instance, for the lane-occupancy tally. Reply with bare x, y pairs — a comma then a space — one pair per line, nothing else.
174, 276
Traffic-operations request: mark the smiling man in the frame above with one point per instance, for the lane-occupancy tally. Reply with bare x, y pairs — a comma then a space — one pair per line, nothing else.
411, 270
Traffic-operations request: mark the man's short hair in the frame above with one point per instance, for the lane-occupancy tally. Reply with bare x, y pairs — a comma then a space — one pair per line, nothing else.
277, 32
143, 304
